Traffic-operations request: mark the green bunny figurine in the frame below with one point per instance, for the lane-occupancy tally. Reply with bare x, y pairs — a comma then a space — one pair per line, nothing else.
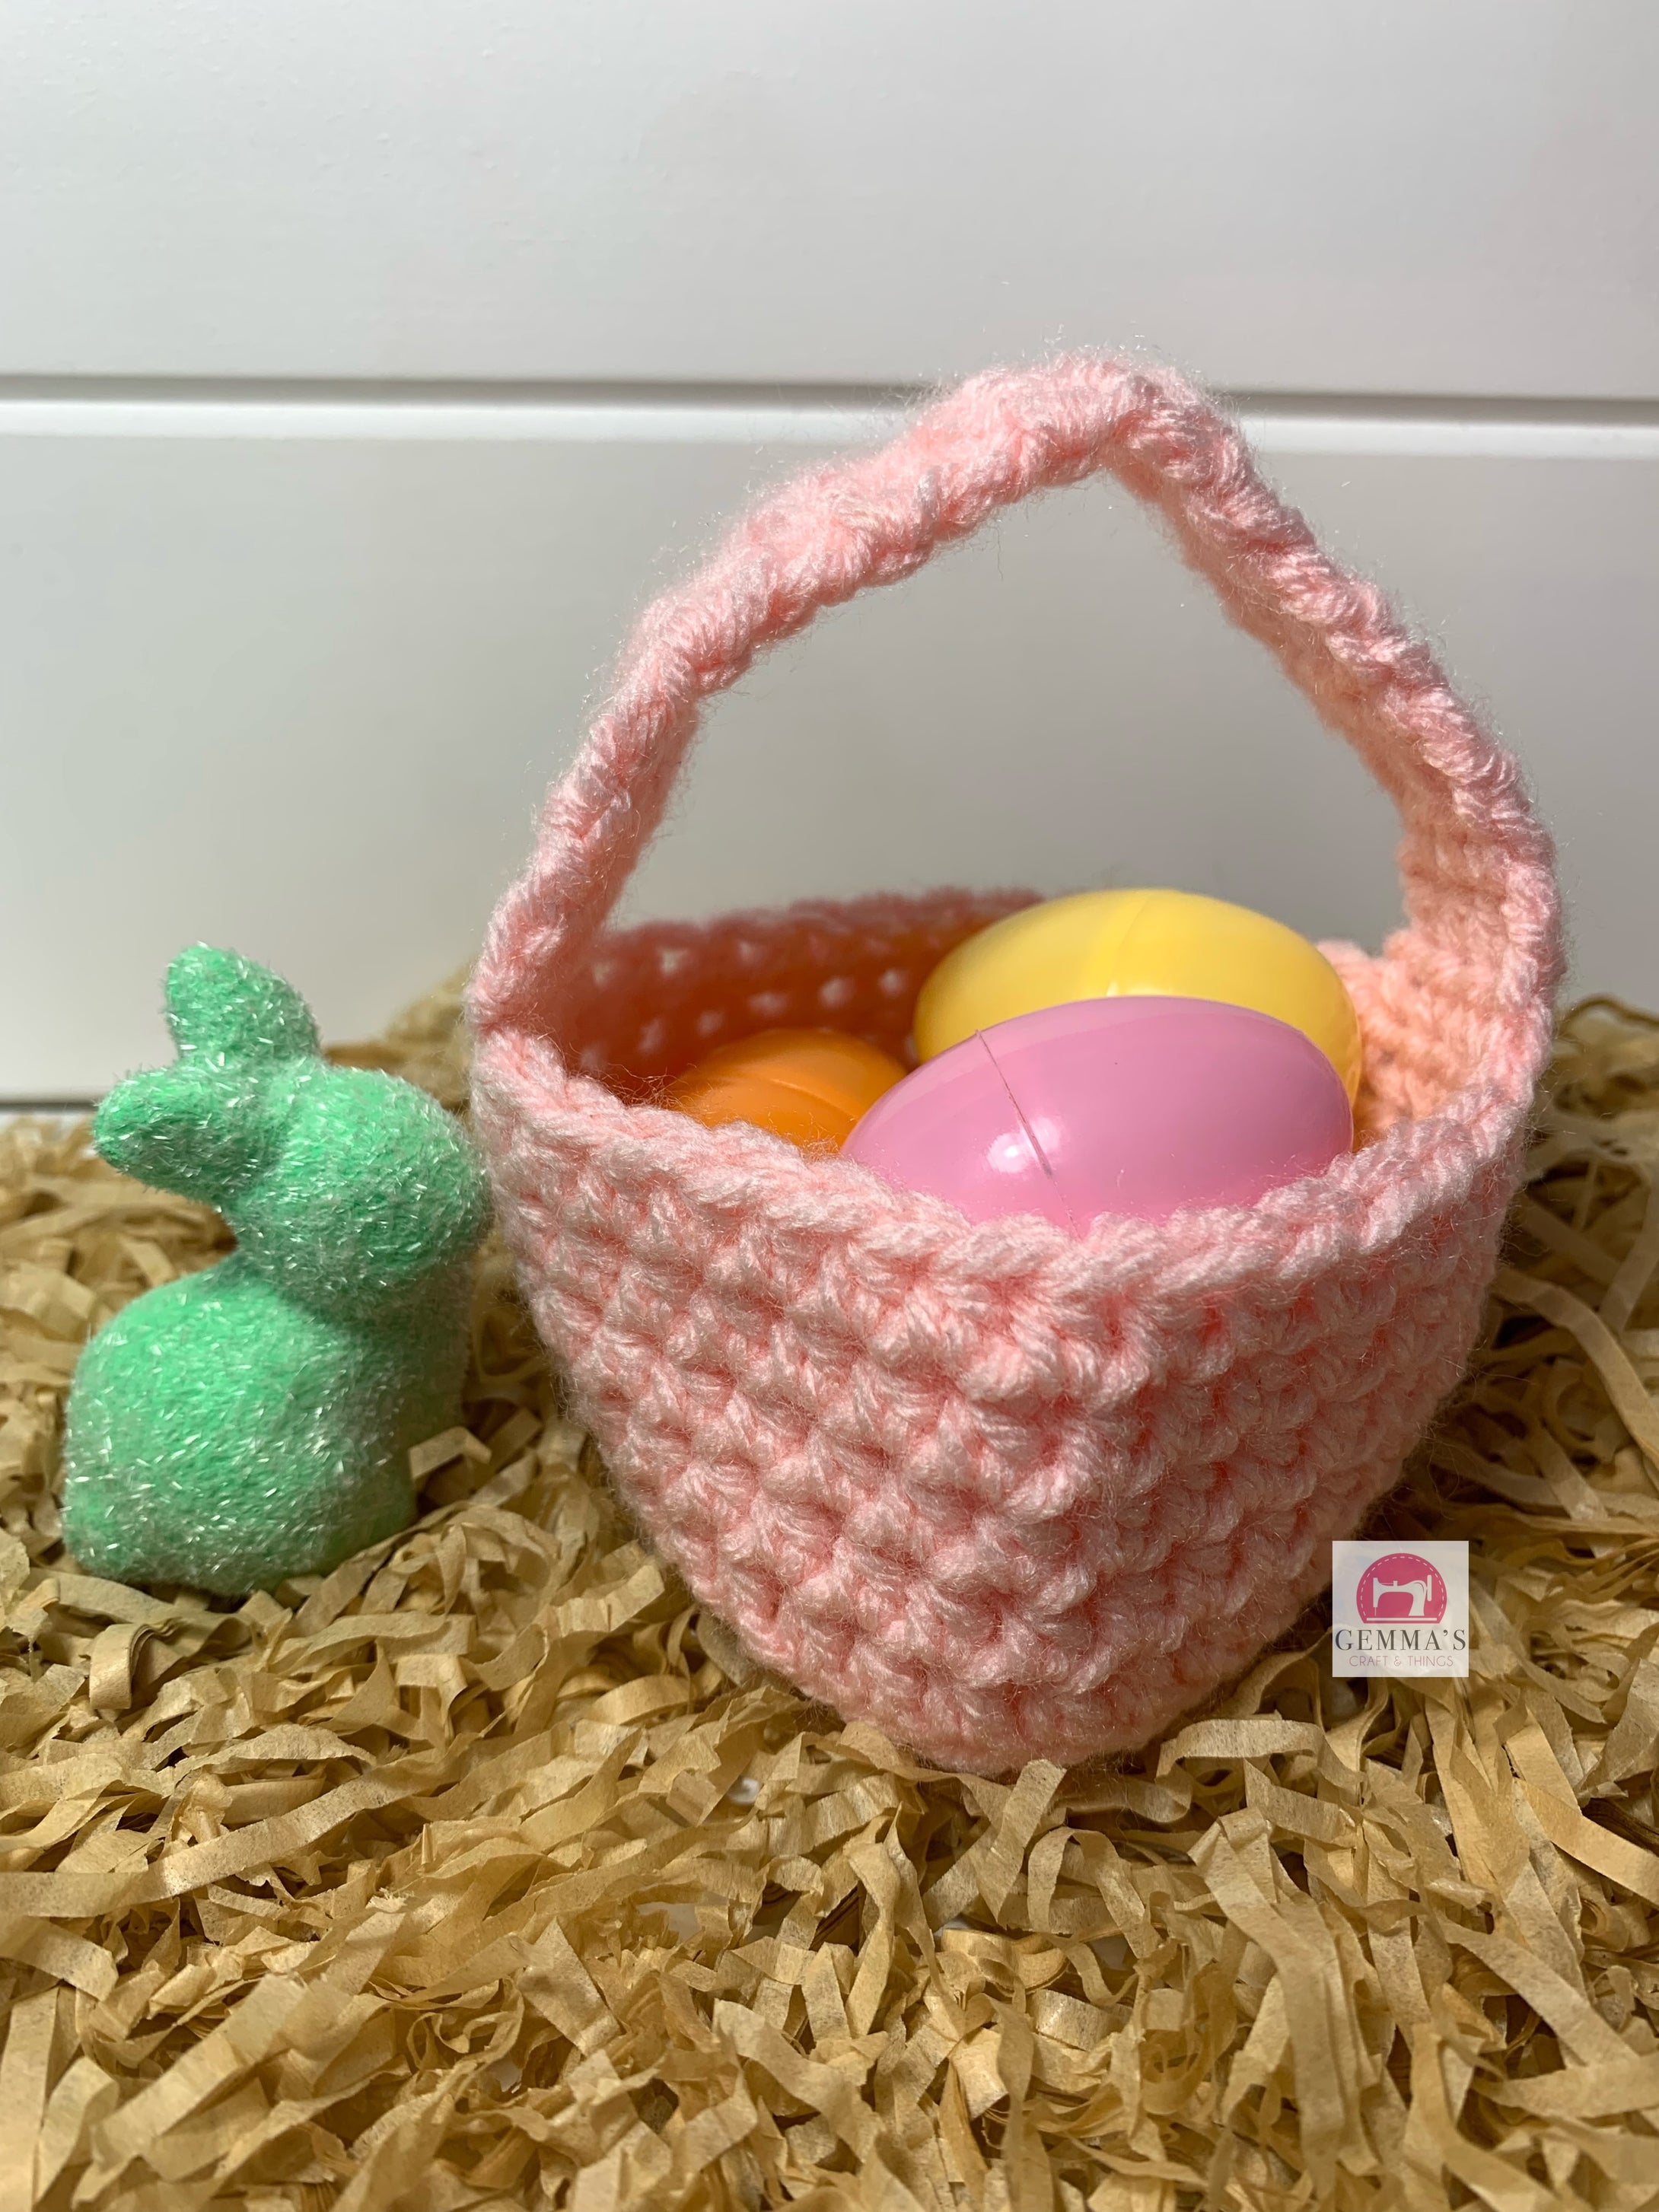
254, 1420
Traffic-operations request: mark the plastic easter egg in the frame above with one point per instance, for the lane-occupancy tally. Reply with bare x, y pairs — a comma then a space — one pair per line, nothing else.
1110, 944
809, 1085
1138, 1106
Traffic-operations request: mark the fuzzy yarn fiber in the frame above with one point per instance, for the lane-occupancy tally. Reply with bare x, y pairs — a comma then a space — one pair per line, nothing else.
254, 1421
1000, 1491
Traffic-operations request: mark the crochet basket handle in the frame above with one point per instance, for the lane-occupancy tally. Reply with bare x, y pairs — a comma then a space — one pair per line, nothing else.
1475, 865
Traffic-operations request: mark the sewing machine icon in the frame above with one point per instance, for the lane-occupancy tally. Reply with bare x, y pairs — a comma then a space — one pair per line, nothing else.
1401, 1588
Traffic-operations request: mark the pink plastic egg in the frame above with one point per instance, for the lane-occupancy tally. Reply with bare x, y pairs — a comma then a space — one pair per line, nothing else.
1128, 1106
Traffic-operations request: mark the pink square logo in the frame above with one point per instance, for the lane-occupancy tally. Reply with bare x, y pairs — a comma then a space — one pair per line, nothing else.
1400, 1609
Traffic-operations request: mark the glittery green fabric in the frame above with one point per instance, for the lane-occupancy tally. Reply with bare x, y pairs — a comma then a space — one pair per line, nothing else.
254, 1421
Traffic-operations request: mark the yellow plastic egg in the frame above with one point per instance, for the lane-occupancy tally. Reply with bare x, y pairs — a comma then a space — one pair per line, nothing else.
1110, 944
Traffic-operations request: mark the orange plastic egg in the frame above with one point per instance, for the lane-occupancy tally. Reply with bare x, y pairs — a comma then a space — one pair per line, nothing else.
812, 1086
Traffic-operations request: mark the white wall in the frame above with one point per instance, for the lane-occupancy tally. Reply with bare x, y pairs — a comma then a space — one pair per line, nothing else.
363, 370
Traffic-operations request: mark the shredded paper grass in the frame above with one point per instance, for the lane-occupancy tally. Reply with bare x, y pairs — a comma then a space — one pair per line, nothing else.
485, 1872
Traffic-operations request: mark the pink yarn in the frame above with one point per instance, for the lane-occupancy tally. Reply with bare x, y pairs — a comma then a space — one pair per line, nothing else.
1000, 1491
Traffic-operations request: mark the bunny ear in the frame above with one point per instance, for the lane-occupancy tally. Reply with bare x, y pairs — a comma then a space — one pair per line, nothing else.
223, 1009
201, 1131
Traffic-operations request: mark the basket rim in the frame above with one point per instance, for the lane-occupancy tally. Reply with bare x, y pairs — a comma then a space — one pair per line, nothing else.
1371, 1198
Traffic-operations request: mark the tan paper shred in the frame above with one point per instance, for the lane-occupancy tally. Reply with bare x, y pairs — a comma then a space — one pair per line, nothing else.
483, 1872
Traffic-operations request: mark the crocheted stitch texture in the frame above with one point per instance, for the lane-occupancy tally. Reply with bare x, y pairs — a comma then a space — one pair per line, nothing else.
1000, 1491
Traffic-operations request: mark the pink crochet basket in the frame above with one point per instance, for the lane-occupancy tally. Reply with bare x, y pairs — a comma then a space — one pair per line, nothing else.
1000, 1491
